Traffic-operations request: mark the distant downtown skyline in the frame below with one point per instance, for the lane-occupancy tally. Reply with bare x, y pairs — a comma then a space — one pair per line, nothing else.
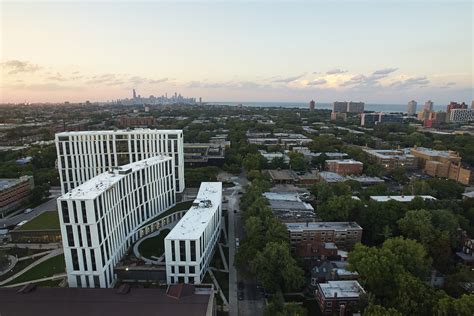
257, 51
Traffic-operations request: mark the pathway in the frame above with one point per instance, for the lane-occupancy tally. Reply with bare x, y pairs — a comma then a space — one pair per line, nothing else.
154, 234
52, 254
12, 262
54, 277
224, 299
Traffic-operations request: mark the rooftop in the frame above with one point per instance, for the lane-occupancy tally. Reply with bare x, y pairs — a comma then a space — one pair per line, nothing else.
287, 196
341, 289
331, 176
95, 302
94, 187
195, 221
338, 226
290, 205
282, 174
344, 161
400, 198
6, 184
121, 131
436, 153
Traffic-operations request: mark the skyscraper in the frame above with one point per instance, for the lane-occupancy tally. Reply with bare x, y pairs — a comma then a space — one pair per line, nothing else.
312, 105
428, 106
83, 155
134, 94
411, 110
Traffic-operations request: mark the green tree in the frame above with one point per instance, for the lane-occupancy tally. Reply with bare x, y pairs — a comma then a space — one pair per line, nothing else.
254, 162
276, 268
298, 162
464, 306
411, 255
340, 208
417, 225
378, 310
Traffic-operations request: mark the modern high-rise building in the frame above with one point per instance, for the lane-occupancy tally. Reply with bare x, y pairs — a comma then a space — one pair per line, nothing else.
83, 155
454, 105
355, 107
134, 94
312, 105
411, 109
340, 107
428, 106
461, 115
189, 246
100, 218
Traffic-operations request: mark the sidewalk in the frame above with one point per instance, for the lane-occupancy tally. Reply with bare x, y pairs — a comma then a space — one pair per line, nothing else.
52, 254
54, 277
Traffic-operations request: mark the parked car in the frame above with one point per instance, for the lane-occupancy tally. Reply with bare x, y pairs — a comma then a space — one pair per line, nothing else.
28, 210
237, 243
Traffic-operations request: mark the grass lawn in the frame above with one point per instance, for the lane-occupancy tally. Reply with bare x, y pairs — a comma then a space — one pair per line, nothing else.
154, 246
46, 220
178, 207
45, 269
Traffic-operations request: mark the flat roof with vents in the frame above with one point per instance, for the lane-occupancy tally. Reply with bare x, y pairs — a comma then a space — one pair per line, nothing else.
194, 222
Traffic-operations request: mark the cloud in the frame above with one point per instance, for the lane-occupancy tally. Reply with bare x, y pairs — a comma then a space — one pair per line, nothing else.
335, 71
410, 83
105, 78
234, 85
154, 81
317, 82
363, 81
57, 77
384, 71
18, 66
288, 79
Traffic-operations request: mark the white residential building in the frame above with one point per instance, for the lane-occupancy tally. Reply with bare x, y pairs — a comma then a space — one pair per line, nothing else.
461, 115
83, 155
190, 244
411, 108
100, 218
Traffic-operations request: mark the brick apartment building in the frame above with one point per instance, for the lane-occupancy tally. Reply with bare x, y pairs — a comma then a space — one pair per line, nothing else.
322, 239
13, 192
344, 166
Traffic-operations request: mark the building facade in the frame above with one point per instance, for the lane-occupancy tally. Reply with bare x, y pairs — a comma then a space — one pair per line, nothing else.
189, 246
313, 239
392, 158
344, 166
13, 192
411, 108
100, 218
337, 296
461, 115
83, 155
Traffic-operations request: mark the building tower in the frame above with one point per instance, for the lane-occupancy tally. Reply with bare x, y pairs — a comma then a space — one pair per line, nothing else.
428, 106
411, 110
312, 105
134, 94
85, 154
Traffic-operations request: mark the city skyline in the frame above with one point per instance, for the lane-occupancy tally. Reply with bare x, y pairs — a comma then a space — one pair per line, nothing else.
223, 51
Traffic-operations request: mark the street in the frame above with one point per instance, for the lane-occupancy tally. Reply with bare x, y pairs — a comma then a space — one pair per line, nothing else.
252, 302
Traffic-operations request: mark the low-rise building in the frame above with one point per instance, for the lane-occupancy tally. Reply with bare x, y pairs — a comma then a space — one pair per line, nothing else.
466, 255
179, 299
282, 176
289, 206
336, 295
345, 166
14, 192
270, 156
322, 239
391, 159
203, 154
400, 198
371, 119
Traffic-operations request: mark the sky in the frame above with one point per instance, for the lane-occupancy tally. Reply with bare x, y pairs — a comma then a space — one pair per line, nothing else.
373, 51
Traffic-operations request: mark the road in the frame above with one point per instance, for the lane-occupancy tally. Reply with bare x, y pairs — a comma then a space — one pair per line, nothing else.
252, 303
18, 216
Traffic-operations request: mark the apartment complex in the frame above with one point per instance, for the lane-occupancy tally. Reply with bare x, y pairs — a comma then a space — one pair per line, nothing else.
371, 119
316, 239
13, 192
442, 164
461, 115
411, 108
344, 166
100, 218
335, 296
348, 107
391, 159
83, 155
189, 246
203, 154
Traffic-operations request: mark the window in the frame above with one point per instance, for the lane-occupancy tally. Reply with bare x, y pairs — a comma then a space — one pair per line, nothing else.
192, 269
182, 269
70, 236
78, 281
75, 261
65, 212
182, 250
193, 250
173, 253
